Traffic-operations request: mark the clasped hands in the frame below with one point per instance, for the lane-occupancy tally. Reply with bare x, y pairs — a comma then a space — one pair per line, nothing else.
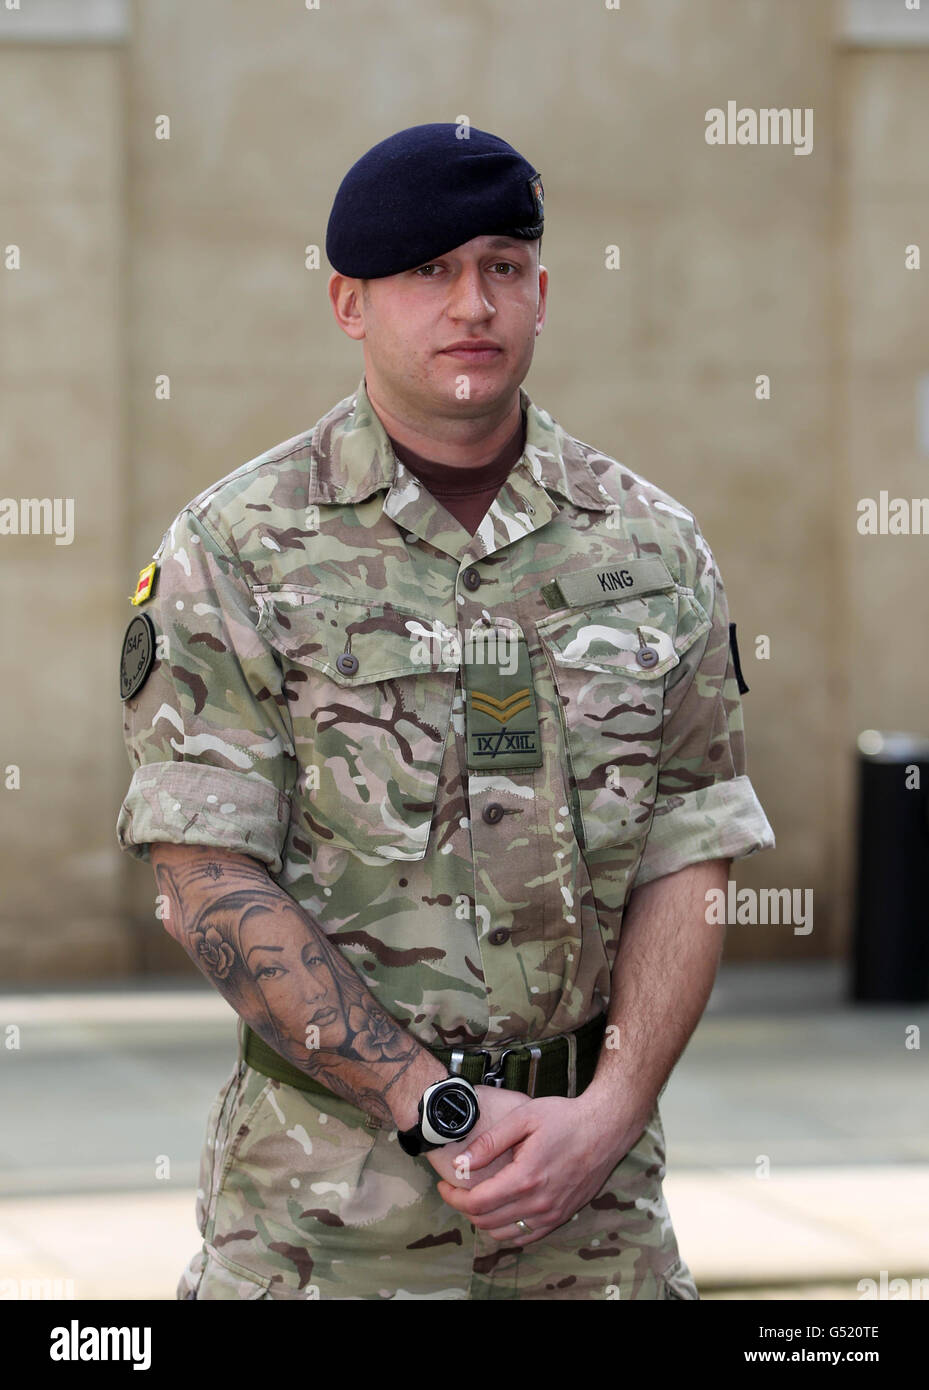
535, 1161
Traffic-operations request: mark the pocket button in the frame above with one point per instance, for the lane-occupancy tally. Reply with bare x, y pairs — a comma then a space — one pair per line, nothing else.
647, 657
346, 663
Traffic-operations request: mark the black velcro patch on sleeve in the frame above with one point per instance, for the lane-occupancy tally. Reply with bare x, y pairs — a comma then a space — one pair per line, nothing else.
734, 648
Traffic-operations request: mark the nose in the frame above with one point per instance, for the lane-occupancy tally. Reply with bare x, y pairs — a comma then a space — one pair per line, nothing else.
314, 988
469, 302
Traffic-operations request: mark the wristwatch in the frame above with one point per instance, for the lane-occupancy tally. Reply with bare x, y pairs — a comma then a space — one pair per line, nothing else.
448, 1111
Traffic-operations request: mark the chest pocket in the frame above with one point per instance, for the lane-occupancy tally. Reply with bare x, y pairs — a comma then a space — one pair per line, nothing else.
370, 703
611, 664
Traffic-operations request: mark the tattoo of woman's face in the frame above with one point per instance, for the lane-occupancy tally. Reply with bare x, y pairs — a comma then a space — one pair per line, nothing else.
289, 968
257, 947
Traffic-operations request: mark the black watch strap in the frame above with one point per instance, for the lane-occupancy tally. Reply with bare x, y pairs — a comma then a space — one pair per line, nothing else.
413, 1142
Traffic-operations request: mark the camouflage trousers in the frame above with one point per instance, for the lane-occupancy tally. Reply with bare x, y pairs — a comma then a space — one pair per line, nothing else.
301, 1196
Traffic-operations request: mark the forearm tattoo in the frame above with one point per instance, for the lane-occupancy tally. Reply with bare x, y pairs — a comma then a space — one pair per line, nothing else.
279, 971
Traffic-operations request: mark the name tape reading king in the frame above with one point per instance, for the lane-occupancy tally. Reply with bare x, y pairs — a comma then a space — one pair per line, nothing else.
622, 581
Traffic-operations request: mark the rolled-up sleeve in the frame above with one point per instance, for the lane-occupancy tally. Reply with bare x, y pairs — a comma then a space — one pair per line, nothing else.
705, 805
208, 734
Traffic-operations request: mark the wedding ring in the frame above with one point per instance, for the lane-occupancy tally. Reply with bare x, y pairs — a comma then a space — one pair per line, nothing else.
524, 1227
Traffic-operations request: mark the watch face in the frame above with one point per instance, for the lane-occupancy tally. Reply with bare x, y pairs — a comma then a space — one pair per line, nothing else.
452, 1110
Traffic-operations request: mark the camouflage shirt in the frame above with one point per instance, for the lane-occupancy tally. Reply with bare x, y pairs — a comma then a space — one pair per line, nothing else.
459, 753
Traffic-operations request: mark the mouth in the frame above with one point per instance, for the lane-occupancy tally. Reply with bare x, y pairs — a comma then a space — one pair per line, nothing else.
324, 1016
487, 353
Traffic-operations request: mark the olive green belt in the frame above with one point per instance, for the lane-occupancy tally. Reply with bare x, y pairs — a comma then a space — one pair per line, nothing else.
562, 1066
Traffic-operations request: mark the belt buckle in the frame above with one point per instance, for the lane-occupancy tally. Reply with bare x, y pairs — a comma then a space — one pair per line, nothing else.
494, 1072
495, 1075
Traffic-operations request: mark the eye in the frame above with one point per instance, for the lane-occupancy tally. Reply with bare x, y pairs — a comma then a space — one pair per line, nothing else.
430, 266
508, 265
268, 972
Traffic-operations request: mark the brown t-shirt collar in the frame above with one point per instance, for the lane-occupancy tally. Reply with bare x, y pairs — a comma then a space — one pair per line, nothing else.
465, 492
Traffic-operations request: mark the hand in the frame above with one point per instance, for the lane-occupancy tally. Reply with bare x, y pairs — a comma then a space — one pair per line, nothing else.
495, 1103
562, 1153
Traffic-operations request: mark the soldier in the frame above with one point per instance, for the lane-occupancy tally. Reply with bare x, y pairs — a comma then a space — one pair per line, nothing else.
434, 712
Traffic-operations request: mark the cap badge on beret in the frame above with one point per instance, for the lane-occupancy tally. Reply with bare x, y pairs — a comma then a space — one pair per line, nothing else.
535, 188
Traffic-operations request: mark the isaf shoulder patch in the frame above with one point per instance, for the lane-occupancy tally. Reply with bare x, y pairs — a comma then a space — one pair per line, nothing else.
137, 657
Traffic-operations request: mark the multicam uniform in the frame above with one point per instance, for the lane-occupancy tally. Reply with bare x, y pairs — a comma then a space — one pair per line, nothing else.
318, 708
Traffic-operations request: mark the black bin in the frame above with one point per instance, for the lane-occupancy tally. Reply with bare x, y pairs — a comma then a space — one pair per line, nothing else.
891, 938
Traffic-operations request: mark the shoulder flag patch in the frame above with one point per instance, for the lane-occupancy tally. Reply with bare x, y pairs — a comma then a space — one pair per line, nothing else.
143, 590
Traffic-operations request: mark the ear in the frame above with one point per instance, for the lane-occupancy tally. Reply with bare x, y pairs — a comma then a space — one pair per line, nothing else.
346, 300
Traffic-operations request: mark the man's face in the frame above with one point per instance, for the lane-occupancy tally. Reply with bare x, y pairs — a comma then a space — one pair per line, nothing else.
489, 291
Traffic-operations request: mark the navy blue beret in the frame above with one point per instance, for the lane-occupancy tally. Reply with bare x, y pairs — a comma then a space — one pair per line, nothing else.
424, 191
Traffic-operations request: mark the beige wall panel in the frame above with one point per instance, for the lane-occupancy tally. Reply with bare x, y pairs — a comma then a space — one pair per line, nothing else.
887, 313
61, 612
882, 126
